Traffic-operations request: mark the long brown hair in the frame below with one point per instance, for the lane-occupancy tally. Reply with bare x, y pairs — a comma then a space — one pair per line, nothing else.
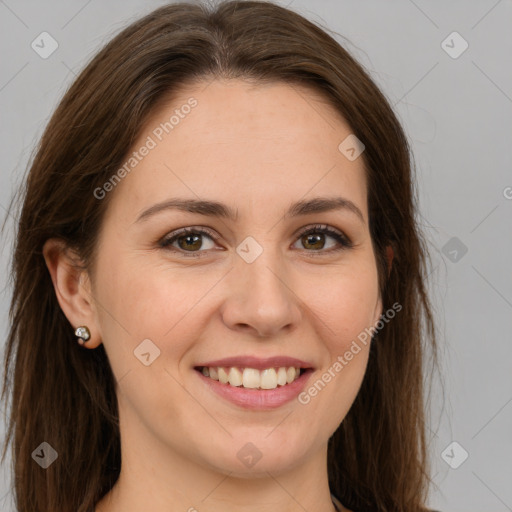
66, 396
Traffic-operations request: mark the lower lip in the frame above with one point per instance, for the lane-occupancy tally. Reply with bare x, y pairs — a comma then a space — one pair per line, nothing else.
258, 399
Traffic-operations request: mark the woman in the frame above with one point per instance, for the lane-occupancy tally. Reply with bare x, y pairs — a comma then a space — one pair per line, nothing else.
221, 213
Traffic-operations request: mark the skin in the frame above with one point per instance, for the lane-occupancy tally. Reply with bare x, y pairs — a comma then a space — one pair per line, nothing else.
257, 148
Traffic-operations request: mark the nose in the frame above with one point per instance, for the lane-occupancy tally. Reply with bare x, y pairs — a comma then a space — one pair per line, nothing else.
260, 298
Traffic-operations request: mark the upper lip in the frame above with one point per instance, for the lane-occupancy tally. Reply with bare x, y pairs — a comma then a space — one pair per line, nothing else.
257, 363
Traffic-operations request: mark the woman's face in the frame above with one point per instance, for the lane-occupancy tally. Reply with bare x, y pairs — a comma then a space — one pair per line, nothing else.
252, 286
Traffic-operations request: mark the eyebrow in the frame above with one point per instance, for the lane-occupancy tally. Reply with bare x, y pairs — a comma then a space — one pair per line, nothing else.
216, 209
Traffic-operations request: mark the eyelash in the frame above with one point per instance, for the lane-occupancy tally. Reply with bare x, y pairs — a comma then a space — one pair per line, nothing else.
343, 241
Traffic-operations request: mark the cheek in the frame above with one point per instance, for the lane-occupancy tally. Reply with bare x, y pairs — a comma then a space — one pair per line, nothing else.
346, 307
345, 303
146, 301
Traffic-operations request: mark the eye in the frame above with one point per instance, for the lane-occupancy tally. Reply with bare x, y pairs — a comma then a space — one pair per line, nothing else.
314, 238
189, 239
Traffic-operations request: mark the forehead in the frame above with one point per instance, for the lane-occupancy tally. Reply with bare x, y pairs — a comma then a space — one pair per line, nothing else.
246, 144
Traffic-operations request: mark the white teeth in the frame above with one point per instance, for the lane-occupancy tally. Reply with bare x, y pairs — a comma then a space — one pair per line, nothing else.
223, 375
235, 377
281, 376
290, 374
268, 379
251, 378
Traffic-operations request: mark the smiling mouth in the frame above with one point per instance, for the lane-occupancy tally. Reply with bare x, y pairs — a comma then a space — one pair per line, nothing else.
251, 378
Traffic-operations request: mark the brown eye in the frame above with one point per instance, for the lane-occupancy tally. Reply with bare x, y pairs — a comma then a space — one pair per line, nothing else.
187, 240
313, 239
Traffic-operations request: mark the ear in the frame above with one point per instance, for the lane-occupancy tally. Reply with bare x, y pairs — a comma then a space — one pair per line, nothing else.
389, 255
72, 288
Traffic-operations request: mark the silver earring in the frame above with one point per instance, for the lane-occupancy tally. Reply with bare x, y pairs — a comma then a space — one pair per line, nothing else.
83, 334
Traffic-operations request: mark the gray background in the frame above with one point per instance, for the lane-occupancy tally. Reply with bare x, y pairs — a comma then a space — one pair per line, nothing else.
457, 114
